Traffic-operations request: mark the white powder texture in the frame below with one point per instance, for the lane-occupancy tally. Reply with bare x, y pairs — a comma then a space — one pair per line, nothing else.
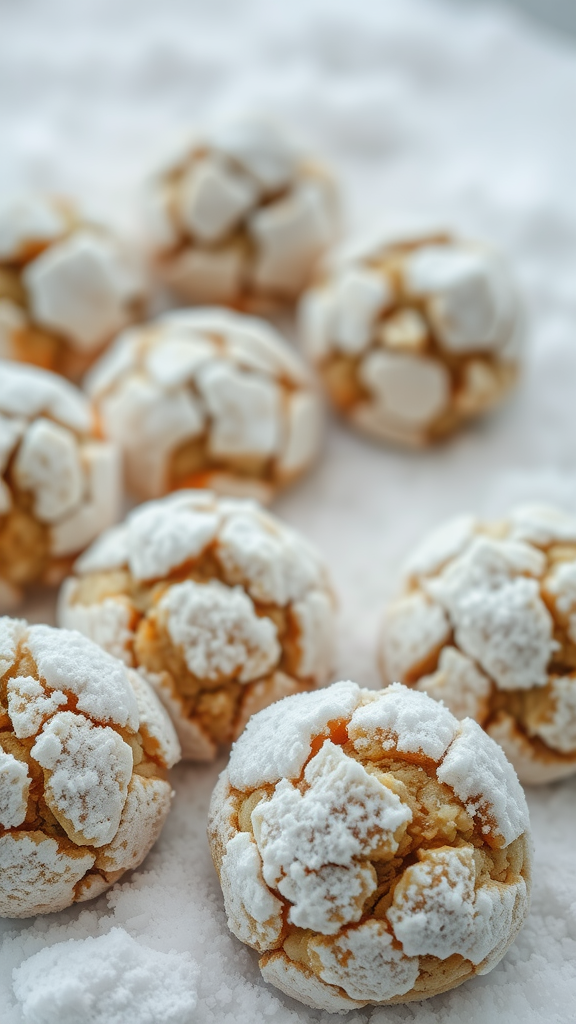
485, 781
143, 815
106, 623
343, 814
109, 551
365, 964
254, 913
559, 729
163, 536
14, 789
499, 617
561, 584
294, 980
541, 525
48, 464
437, 911
404, 719
70, 662
276, 742
30, 392
276, 565
11, 633
462, 687
46, 870
444, 543
111, 979
314, 615
413, 628
29, 705
219, 631
156, 729
88, 768
459, 108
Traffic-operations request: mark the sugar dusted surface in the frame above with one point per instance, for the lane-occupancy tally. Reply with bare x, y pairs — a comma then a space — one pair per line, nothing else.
485, 107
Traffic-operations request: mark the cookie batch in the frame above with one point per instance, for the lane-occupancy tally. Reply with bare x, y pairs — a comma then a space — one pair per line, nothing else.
207, 398
487, 624
60, 484
370, 847
413, 338
66, 286
240, 217
84, 752
219, 605
373, 847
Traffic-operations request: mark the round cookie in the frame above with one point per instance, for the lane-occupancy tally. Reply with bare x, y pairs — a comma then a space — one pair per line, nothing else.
60, 485
208, 398
412, 338
240, 217
487, 623
84, 751
221, 606
371, 847
66, 286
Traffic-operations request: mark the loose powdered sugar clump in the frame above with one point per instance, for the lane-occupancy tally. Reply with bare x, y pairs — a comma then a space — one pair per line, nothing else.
82, 799
208, 397
223, 607
356, 833
505, 596
111, 979
59, 484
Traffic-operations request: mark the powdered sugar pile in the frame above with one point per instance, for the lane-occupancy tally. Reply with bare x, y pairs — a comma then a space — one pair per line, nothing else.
422, 106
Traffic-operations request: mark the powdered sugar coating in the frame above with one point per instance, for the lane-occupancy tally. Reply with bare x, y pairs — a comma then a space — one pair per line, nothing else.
69, 661
413, 336
219, 631
59, 485
483, 778
73, 777
507, 595
233, 595
364, 962
75, 284
276, 742
198, 395
240, 215
14, 787
366, 841
405, 721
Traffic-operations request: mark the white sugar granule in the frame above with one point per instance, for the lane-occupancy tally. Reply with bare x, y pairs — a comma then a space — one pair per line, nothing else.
108, 980
460, 110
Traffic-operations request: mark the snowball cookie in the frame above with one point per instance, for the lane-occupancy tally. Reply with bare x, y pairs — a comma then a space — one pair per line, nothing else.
66, 286
487, 624
207, 398
60, 485
370, 846
221, 606
84, 752
239, 216
413, 338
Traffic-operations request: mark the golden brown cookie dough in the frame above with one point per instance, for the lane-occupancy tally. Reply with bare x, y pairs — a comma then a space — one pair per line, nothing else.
372, 848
